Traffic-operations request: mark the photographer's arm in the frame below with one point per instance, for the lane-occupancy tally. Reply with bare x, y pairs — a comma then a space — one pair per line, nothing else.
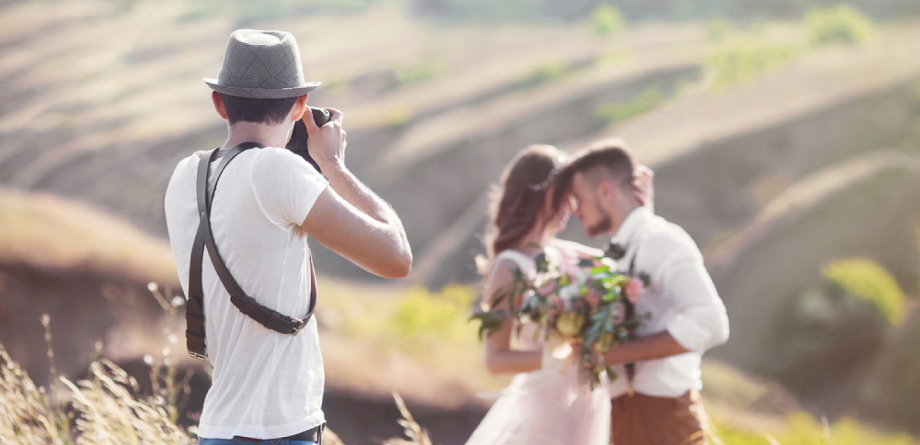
348, 217
377, 246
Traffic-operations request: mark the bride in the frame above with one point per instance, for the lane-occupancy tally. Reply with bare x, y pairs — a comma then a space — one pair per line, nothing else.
547, 401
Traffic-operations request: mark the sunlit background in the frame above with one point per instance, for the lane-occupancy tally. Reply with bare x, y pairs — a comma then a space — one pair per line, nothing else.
785, 136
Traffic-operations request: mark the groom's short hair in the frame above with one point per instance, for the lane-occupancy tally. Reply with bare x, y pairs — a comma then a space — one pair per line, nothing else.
606, 159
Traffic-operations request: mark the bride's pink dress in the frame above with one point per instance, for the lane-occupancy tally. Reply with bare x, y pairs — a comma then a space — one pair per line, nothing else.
547, 406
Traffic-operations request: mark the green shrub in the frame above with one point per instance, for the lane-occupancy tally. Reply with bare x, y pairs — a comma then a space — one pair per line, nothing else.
441, 316
398, 116
744, 57
415, 74
717, 30
838, 24
870, 282
804, 429
646, 101
607, 20
545, 73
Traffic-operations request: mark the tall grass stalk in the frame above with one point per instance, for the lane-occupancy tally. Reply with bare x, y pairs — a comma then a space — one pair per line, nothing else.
416, 434
112, 412
26, 414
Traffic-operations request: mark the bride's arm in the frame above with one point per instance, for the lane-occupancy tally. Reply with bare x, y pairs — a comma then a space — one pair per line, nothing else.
500, 358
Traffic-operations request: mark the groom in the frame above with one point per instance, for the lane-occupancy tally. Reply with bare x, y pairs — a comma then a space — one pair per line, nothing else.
655, 399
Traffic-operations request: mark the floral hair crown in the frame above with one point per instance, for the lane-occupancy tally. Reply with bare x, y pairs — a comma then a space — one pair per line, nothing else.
557, 167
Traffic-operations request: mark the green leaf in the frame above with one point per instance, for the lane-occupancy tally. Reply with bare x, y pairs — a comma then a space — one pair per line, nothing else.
611, 374
542, 263
598, 269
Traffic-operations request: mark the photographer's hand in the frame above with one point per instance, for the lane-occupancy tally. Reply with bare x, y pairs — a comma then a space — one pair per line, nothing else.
327, 143
348, 217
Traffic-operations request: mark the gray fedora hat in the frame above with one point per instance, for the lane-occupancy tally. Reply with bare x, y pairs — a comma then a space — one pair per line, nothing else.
261, 65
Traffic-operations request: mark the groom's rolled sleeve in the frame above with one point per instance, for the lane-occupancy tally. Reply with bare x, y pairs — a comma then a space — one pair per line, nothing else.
700, 321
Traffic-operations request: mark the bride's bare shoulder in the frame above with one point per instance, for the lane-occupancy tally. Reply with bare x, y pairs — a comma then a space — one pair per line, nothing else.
577, 249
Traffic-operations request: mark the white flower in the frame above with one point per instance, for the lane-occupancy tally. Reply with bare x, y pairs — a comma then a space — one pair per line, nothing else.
570, 291
609, 262
177, 301
148, 359
152, 287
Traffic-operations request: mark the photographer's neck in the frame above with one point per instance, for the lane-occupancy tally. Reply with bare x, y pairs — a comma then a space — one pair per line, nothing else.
266, 135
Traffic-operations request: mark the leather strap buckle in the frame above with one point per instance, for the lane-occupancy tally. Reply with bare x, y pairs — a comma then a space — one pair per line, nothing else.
196, 355
299, 324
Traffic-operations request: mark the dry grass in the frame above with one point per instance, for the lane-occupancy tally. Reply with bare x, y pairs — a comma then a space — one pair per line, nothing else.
102, 409
108, 409
26, 413
414, 431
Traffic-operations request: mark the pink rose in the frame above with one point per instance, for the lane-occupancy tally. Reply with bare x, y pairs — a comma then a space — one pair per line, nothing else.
593, 298
549, 288
634, 289
556, 303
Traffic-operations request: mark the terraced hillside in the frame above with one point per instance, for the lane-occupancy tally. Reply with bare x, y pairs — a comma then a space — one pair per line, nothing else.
810, 159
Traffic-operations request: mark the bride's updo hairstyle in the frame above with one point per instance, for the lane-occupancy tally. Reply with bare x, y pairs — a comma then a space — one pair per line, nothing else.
519, 202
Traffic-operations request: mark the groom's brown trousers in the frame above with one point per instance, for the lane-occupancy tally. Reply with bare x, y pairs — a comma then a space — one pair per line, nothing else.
644, 420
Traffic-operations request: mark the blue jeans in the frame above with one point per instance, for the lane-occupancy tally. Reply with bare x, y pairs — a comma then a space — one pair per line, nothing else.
203, 441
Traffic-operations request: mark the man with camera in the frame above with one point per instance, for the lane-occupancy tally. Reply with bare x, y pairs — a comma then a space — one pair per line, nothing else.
239, 229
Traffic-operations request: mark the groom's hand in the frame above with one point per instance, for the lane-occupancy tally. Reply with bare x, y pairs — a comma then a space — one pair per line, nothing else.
644, 187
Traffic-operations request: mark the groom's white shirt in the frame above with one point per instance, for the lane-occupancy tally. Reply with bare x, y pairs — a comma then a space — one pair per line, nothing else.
682, 300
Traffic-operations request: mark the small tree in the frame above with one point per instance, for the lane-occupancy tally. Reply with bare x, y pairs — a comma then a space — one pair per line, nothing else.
838, 24
607, 20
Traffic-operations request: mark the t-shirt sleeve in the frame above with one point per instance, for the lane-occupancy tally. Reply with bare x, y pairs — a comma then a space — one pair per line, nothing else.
286, 186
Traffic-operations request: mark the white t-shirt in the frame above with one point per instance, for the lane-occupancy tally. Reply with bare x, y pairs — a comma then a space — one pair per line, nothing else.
265, 384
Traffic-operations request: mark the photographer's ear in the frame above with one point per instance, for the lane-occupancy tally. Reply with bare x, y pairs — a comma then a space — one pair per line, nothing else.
300, 107
219, 104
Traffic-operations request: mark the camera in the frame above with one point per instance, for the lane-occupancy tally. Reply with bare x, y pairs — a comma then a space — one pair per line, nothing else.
298, 142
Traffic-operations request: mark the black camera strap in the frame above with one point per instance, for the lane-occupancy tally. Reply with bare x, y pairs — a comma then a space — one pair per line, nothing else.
204, 238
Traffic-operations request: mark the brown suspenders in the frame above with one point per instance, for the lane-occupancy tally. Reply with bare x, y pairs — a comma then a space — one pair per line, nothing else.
204, 239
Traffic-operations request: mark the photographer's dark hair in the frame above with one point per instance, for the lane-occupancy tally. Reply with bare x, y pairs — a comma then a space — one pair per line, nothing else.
520, 198
604, 159
265, 111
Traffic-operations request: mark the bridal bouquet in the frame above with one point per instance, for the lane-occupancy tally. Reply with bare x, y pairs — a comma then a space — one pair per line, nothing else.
586, 309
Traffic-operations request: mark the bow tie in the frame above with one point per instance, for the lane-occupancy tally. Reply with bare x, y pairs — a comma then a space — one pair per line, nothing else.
615, 250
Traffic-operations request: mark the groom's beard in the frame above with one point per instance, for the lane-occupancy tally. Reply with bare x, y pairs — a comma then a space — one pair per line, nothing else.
601, 226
